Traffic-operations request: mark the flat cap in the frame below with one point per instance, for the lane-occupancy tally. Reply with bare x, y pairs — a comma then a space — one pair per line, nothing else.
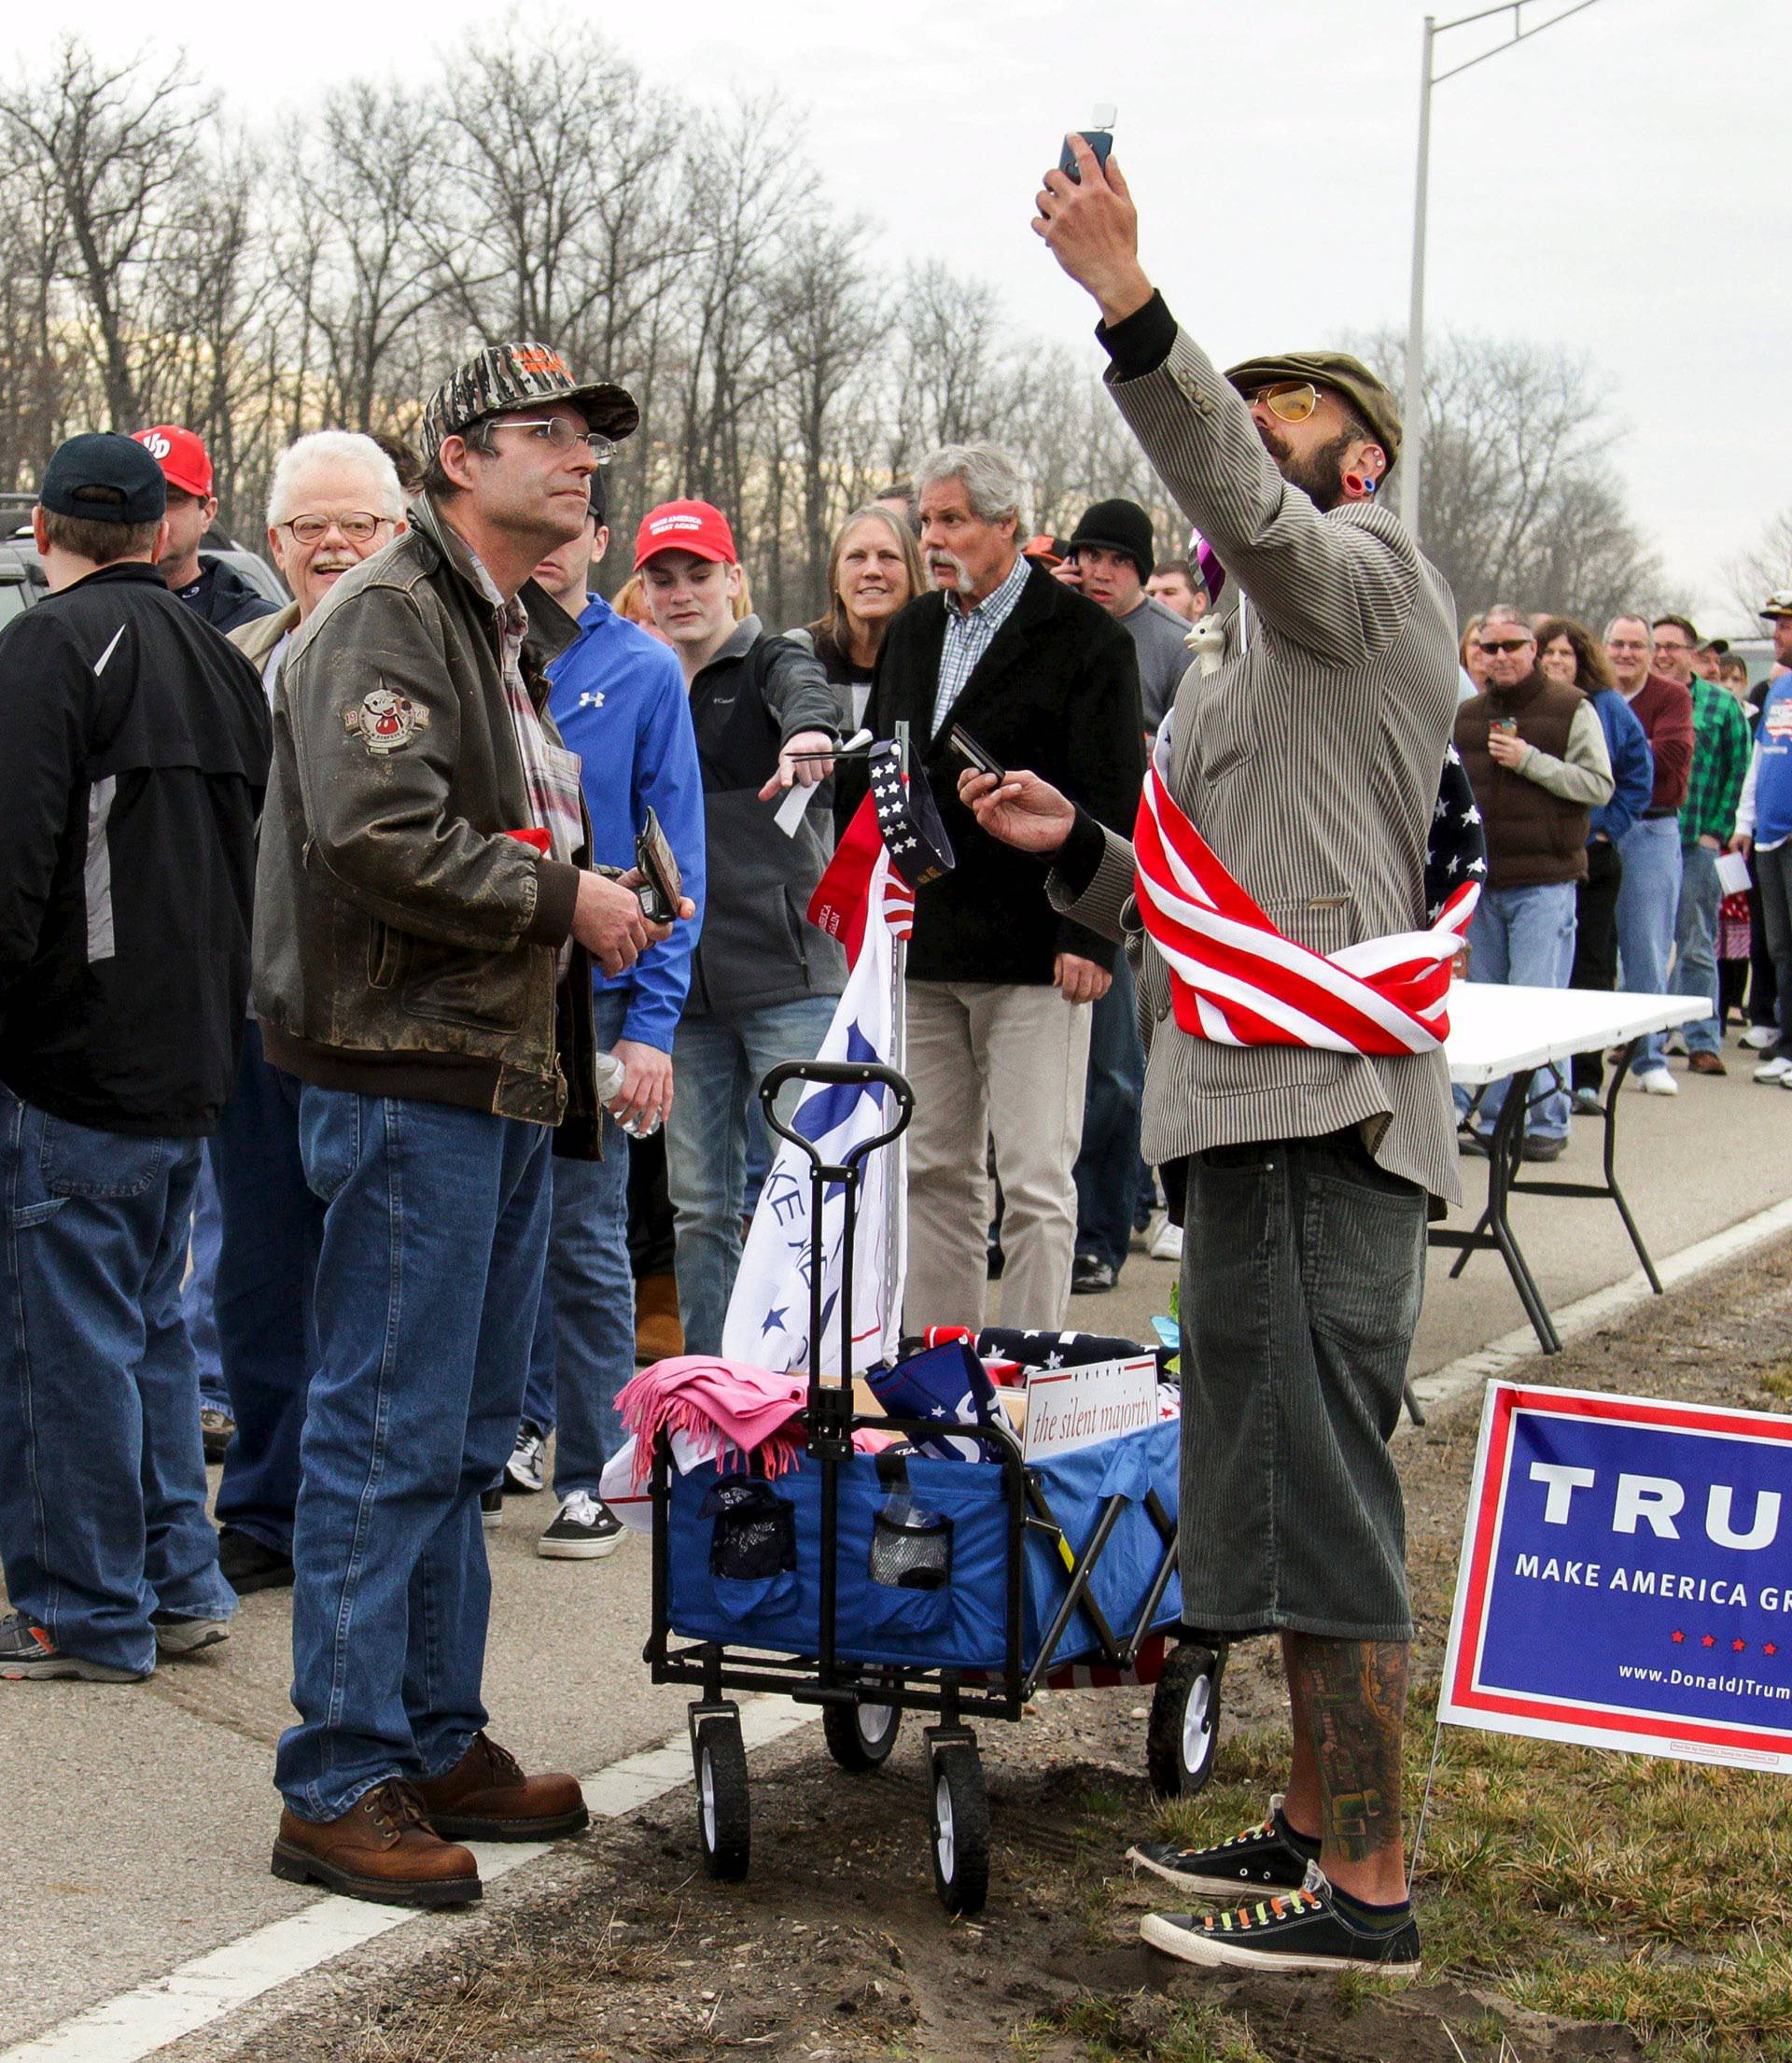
1343, 374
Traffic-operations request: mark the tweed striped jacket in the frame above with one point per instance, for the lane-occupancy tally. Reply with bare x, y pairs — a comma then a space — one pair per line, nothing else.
1309, 761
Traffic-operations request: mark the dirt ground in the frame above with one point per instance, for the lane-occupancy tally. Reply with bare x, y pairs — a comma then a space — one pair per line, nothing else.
622, 1951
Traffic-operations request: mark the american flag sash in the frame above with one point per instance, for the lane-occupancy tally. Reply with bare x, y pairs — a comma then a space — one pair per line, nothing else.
1236, 981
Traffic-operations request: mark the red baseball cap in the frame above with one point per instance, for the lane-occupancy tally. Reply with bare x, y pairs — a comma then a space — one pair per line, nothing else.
693, 527
185, 461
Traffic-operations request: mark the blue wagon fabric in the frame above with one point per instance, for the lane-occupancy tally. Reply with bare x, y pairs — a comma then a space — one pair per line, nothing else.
962, 1623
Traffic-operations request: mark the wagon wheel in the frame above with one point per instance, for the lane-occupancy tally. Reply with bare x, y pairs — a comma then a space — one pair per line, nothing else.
959, 1820
724, 1815
1185, 1728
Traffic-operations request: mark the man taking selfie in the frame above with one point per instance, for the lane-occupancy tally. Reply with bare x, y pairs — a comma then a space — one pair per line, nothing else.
1309, 763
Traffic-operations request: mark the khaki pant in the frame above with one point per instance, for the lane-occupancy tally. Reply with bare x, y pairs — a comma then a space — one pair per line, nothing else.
986, 1057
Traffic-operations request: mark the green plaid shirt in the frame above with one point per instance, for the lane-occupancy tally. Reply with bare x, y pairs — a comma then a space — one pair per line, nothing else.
1720, 751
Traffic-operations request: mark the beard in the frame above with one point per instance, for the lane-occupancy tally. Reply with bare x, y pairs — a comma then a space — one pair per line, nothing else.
1320, 476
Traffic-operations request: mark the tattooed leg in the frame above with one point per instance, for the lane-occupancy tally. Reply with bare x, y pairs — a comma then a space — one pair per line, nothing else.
1352, 1696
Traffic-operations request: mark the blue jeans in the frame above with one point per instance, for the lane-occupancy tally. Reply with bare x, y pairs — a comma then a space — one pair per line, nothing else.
716, 1060
588, 1304
197, 1295
1648, 899
267, 1269
1106, 1164
435, 1233
1695, 945
102, 1482
1524, 938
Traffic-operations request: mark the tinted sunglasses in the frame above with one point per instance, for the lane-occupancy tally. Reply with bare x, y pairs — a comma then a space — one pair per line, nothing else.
1290, 401
1491, 645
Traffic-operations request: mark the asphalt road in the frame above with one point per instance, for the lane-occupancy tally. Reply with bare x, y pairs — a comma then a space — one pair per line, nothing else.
140, 1818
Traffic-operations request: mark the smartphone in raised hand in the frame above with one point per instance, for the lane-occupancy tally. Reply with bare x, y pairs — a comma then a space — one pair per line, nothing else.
1098, 135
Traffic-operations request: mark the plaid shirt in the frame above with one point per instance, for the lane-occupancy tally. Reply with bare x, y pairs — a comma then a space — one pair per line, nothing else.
968, 633
1720, 752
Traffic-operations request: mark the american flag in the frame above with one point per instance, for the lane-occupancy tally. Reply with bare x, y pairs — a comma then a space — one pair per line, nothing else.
1237, 980
901, 819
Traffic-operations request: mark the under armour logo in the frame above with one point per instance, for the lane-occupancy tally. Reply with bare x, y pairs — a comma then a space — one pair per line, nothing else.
592, 698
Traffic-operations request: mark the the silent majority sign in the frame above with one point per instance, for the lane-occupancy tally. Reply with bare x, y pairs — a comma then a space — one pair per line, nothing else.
1626, 1577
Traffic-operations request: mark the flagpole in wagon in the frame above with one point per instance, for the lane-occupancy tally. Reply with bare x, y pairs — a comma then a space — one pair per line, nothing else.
910, 1580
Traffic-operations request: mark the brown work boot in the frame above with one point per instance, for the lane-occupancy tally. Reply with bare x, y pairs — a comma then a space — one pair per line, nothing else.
658, 1334
487, 1797
1707, 1063
381, 1848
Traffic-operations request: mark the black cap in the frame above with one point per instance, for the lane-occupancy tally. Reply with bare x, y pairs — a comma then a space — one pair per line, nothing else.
1118, 526
102, 476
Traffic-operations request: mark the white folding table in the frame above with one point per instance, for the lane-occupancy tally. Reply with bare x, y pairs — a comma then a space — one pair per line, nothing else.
1496, 1031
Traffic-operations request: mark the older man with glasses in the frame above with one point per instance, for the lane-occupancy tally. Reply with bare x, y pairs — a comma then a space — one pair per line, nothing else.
425, 924
1536, 759
1649, 898
335, 501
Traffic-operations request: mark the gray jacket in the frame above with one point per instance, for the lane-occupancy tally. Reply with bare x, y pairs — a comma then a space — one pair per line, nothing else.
757, 946
1308, 761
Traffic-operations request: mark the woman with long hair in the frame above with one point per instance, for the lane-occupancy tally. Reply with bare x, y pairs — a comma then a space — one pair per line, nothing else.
874, 570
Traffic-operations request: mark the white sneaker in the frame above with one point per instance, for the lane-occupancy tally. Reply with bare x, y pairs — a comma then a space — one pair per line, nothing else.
1759, 1037
522, 1472
1166, 1242
1657, 1081
1774, 1071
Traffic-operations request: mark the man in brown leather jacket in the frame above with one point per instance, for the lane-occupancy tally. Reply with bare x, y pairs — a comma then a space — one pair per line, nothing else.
421, 895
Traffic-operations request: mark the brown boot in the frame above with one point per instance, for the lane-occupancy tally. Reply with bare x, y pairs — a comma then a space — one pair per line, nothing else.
658, 1335
487, 1797
382, 1848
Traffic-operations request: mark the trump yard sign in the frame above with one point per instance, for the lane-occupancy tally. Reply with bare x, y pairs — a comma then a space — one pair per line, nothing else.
1626, 1579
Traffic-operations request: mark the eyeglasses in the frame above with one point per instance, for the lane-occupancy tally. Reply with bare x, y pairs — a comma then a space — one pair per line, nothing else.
1491, 645
558, 431
1673, 644
359, 528
1290, 401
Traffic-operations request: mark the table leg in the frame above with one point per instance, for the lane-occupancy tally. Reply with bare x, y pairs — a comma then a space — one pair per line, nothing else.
1503, 1165
1611, 1166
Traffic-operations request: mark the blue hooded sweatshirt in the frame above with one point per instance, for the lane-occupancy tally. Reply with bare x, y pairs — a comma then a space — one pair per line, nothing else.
618, 698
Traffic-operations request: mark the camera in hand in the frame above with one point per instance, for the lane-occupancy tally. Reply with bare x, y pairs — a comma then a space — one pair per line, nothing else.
1098, 135
660, 887
967, 747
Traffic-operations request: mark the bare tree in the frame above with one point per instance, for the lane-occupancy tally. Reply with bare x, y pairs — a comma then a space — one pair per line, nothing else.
112, 143
1521, 499
1753, 575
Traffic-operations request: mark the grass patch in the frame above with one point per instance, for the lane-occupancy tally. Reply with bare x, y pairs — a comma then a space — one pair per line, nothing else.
1600, 1887
1124, 2029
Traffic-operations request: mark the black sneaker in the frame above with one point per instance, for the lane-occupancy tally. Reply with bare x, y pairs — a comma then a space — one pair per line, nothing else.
491, 1507
1270, 1858
218, 1429
1304, 1930
522, 1472
187, 1632
248, 1565
1090, 1277
585, 1529
28, 1651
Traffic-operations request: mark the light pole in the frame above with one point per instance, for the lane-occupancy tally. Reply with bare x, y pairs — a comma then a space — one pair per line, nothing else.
1412, 450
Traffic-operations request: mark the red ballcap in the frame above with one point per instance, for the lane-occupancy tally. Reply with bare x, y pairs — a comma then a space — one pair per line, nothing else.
182, 457
692, 526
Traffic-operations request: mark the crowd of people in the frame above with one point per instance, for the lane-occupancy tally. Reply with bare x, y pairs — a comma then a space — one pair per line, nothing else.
366, 1114
1611, 774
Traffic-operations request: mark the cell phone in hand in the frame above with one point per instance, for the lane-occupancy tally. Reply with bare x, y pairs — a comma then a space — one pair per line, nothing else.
967, 747
662, 885
1098, 135
1508, 724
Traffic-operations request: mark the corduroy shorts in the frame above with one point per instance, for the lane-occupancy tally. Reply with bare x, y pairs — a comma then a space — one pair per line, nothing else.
1303, 1270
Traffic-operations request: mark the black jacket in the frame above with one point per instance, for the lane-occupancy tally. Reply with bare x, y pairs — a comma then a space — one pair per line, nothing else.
134, 754
757, 946
1056, 693
225, 598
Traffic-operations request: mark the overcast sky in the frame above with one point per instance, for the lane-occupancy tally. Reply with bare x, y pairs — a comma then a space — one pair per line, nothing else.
1618, 185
